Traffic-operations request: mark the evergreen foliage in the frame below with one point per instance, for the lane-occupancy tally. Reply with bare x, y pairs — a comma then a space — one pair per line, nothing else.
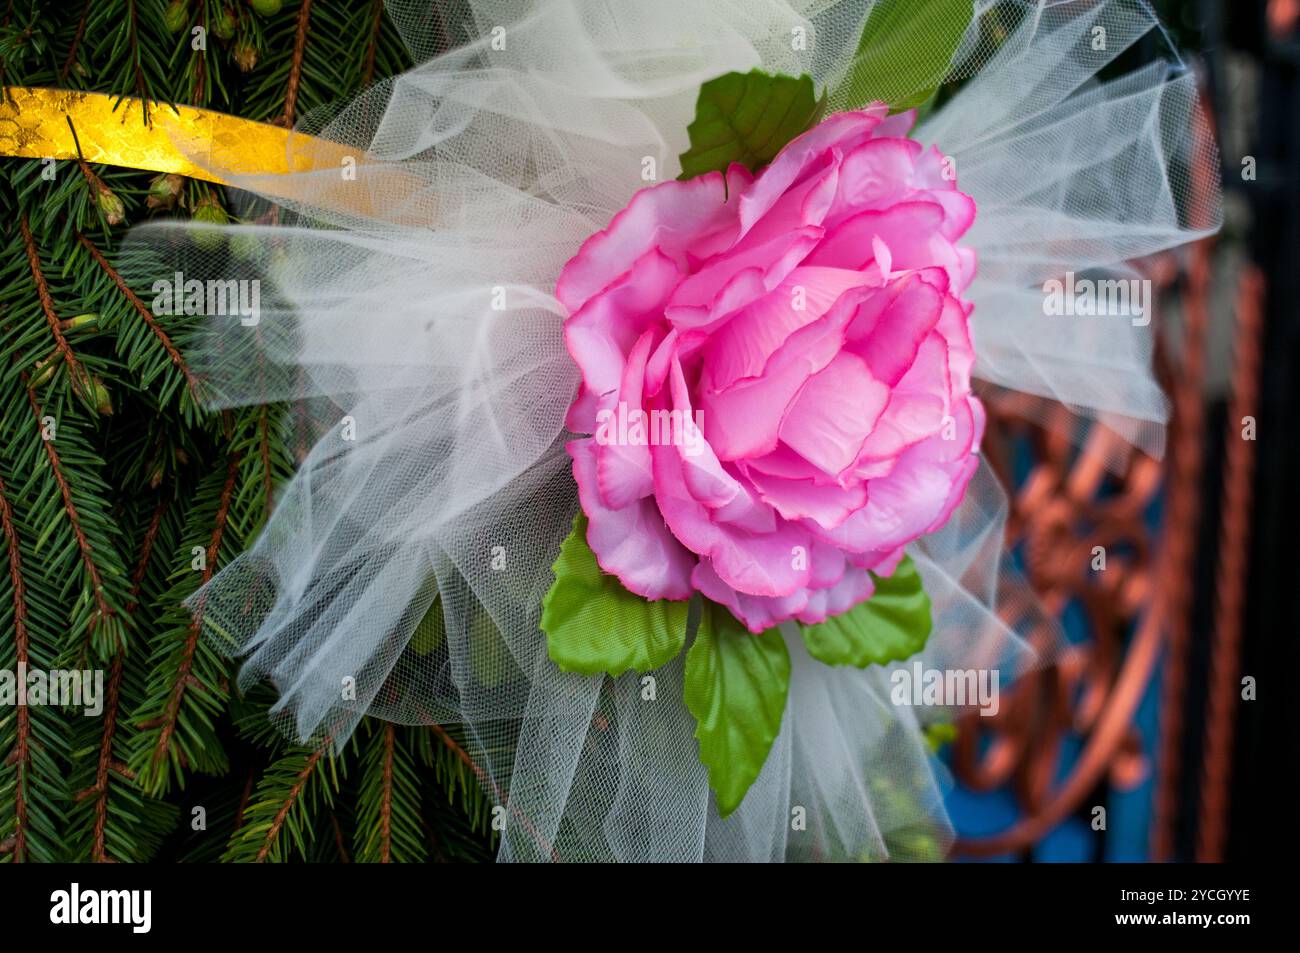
113, 476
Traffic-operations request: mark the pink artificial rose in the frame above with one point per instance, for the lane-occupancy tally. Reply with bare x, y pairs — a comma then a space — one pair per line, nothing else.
776, 373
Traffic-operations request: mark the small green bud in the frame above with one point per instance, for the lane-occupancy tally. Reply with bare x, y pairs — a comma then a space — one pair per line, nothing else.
164, 189
224, 25
99, 395
110, 205
209, 212
265, 8
80, 321
175, 16
44, 371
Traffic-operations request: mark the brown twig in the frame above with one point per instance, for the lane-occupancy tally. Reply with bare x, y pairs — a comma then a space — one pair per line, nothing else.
102, 610
372, 48
295, 66
386, 800
18, 844
303, 776
146, 552
76, 42
99, 853
243, 800
134, 40
197, 86
163, 338
192, 641
79, 375
264, 445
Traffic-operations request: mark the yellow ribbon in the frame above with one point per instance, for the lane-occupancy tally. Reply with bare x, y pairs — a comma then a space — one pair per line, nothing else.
186, 140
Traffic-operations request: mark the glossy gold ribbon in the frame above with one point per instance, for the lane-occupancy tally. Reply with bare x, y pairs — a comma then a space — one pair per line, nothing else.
198, 143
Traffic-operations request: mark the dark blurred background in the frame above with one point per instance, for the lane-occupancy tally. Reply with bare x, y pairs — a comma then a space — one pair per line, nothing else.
1163, 733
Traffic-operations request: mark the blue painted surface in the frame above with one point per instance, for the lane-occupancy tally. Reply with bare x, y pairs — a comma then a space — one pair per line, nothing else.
1128, 812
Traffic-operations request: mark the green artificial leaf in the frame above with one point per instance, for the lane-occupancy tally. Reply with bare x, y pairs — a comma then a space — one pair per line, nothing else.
736, 686
890, 626
593, 624
490, 660
747, 118
431, 631
905, 52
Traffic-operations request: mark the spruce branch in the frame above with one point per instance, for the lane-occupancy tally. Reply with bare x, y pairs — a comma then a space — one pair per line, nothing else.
109, 763
281, 817
98, 854
288, 803
33, 738
264, 454
129, 50
103, 610
81, 380
164, 340
73, 48
339, 843
153, 479
19, 755
183, 678
295, 66
187, 686
389, 823
372, 47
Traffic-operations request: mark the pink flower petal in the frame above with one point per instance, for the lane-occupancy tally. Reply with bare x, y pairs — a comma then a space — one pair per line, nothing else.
668, 217
828, 565
805, 204
961, 479
934, 171
758, 613
834, 412
623, 471
954, 325
900, 507
757, 564
842, 130
958, 211
784, 462
730, 282
968, 264
889, 347
581, 416
632, 543
907, 228
601, 333
656, 369
703, 474
876, 175
855, 587
741, 347
873, 468
917, 404
897, 125
734, 429
828, 506
882, 562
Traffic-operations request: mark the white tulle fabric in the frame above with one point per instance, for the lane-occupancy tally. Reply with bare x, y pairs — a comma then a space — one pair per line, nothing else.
483, 169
